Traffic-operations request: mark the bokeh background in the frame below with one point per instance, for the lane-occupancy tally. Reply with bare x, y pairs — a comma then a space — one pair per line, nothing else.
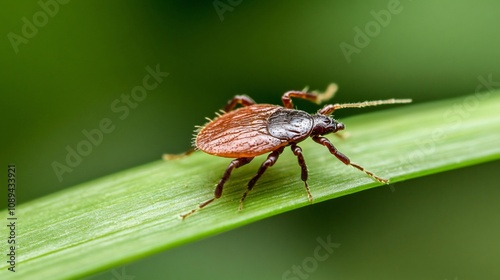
61, 73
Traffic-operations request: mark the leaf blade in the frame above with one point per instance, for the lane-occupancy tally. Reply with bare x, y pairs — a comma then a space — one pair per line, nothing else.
133, 213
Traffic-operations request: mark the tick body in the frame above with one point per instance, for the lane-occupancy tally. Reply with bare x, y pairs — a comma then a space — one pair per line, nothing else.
257, 129
254, 130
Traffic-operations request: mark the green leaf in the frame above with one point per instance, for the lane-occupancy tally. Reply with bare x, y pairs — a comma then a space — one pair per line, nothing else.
134, 213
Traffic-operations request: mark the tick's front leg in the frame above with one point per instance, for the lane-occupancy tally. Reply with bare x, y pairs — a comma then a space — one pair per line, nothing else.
330, 108
325, 142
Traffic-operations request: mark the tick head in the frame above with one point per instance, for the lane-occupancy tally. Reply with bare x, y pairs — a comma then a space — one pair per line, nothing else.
325, 125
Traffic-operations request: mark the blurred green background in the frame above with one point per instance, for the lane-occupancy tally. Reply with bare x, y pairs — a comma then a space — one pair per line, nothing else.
65, 64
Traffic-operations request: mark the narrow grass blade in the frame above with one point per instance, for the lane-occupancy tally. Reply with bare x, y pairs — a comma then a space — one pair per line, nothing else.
134, 213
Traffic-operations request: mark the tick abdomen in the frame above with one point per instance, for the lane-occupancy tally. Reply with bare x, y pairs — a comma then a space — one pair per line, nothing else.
240, 133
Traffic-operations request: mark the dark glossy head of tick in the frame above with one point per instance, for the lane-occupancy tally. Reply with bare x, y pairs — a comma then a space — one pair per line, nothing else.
324, 125
296, 125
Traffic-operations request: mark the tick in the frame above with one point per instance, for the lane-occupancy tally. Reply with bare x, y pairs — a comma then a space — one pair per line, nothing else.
256, 129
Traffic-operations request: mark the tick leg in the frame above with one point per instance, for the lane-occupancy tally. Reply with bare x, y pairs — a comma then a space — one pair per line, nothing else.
325, 142
316, 97
270, 161
218, 189
178, 156
238, 99
297, 151
328, 109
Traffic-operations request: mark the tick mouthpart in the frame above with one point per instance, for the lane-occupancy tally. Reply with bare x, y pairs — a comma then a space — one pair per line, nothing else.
340, 126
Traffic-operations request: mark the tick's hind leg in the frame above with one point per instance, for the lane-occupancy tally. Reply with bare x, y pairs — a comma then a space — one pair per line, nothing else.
218, 189
297, 151
316, 97
325, 142
270, 161
244, 100
178, 156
